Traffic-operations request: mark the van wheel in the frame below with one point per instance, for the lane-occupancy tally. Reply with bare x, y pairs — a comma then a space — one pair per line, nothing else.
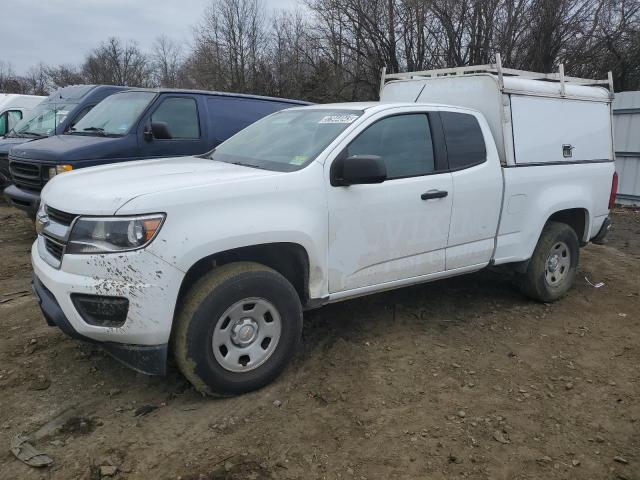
237, 328
552, 268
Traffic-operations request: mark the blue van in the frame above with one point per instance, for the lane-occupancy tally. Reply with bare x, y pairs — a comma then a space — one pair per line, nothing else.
53, 116
133, 125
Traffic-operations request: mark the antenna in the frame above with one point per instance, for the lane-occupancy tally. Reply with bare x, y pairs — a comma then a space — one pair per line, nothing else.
610, 78
499, 68
382, 79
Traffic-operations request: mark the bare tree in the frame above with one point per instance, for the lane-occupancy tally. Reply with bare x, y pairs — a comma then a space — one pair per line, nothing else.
338, 50
9, 83
229, 45
116, 63
167, 62
36, 80
612, 44
63, 75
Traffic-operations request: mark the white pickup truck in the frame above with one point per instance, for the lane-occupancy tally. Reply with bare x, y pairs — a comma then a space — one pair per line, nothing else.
215, 257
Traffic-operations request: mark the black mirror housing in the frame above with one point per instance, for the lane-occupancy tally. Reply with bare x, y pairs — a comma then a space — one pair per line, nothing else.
160, 130
358, 170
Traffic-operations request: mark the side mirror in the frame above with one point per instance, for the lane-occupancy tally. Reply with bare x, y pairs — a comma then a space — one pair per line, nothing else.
159, 130
357, 170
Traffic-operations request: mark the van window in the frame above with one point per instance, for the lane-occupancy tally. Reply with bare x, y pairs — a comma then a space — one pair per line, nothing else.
181, 116
465, 142
81, 114
403, 142
13, 118
231, 114
115, 115
43, 120
8, 120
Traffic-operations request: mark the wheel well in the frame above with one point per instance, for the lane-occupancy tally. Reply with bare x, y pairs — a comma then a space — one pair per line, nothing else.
288, 259
576, 218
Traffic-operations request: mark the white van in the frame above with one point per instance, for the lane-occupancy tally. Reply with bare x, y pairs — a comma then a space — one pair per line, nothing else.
13, 107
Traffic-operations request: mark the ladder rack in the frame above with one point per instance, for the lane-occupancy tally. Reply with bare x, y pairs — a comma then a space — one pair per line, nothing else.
501, 72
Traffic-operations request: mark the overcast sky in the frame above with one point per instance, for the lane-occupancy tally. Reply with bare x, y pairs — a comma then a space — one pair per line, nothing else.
63, 31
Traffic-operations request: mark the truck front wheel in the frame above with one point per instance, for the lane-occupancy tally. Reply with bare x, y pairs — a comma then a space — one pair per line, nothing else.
552, 268
237, 328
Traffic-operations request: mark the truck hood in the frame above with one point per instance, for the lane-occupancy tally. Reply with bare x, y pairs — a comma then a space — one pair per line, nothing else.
69, 148
6, 143
103, 190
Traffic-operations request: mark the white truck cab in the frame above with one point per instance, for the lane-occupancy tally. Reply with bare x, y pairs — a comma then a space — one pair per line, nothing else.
13, 107
215, 257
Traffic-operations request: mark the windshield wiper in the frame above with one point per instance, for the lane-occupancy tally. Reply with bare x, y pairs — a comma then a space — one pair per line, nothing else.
244, 164
98, 130
34, 134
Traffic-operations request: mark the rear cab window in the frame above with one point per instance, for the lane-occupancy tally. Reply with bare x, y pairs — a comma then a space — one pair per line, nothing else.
464, 139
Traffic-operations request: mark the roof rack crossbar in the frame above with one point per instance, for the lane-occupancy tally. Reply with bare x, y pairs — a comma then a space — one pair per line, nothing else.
498, 70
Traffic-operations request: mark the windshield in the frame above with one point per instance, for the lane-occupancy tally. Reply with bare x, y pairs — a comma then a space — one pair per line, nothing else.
115, 115
285, 141
43, 120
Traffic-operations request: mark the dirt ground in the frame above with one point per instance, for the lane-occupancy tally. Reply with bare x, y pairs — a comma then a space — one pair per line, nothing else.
460, 379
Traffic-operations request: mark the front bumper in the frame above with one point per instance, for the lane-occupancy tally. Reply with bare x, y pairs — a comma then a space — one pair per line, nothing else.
23, 199
150, 284
147, 359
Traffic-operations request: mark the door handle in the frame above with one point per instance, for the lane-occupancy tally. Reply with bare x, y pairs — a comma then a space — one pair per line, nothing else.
431, 194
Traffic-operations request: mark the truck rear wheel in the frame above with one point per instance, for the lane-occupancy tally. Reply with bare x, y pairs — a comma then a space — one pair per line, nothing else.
237, 328
552, 268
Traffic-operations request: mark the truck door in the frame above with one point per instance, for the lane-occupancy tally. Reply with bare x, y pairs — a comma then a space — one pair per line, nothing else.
396, 229
477, 190
181, 115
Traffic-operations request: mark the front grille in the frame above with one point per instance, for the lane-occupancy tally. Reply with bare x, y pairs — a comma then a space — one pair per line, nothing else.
54, 234
59, 216
54, 248
27, 175
26, 168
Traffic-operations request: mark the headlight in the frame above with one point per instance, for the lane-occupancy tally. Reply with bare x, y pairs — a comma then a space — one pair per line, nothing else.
41, 218
53, 171
113, 234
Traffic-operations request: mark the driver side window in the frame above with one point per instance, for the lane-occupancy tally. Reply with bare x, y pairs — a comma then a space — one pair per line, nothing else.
8, 120
404, 143
181, 116
13, 118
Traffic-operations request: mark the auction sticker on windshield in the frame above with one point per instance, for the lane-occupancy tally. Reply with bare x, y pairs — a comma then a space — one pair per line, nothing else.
346, 118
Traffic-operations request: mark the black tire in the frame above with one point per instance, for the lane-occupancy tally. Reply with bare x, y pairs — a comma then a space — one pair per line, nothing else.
535, 283
200, 314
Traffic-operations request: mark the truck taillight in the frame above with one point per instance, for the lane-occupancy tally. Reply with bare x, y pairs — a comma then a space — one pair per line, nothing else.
614, 191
